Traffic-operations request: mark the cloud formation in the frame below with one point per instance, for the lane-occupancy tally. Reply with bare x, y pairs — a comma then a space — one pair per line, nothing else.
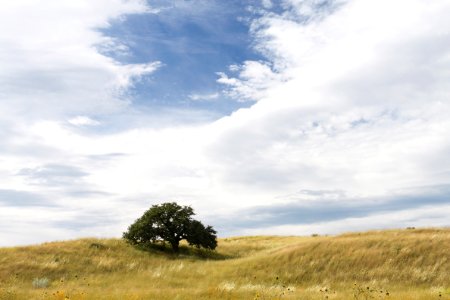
349, 128
320, 208
362, 104
50, 59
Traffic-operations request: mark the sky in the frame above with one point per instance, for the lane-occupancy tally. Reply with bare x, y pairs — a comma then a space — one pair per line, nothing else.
287, 117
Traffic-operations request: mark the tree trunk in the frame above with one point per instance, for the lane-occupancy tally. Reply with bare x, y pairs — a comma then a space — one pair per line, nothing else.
175, 246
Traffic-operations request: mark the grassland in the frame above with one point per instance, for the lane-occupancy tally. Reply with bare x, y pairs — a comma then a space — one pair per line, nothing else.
394, 264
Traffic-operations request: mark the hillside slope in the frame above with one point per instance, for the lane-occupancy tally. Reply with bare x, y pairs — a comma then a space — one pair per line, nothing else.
394, 264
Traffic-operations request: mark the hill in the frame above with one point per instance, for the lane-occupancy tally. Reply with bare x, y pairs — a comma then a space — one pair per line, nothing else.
393, 264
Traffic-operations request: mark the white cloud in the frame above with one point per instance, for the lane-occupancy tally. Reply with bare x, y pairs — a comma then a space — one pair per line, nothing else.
267, 4
358, 101
354, 100
50, 65
353, 110
83, 121
255, 78
204, 97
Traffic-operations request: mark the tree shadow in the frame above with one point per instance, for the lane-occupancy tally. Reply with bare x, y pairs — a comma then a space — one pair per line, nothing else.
184, 252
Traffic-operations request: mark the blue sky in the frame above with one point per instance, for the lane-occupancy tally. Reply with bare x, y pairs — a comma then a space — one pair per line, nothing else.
194, 40
267, 117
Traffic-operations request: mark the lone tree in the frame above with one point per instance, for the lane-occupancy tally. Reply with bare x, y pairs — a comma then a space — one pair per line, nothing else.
170, 222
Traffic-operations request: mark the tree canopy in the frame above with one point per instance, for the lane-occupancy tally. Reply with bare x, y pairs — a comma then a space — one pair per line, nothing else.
170, 222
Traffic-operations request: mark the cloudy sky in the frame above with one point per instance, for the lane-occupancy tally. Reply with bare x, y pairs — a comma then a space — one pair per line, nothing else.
267, 117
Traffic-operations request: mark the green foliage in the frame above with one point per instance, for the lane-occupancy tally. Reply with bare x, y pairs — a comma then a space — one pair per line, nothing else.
170, 222
201, 236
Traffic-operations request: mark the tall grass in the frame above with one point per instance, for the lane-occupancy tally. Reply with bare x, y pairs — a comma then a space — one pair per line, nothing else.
395, 264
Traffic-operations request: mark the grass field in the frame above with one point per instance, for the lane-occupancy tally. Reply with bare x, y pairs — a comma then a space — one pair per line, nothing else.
393, 264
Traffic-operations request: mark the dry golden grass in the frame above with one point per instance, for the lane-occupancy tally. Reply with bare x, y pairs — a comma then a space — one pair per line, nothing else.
394, 264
